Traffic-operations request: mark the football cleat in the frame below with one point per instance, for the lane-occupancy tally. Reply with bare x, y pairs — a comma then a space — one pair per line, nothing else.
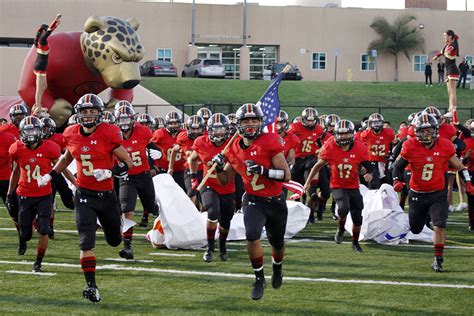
37, 266
208, 256
357, 248
91, 293
51, 232
277, 277
144, 222
223, 256
126, 253
258, 288
22, 248
437, 265
319, 216
339, 236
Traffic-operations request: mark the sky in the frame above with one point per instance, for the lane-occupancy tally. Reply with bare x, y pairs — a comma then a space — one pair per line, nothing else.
385, 4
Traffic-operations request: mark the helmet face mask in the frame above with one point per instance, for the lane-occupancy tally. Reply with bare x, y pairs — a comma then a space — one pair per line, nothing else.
426, 129
344, 133
250, 120
89, 110
31, 130
173, 122
195, 126
282, 124
376, 122
218, 127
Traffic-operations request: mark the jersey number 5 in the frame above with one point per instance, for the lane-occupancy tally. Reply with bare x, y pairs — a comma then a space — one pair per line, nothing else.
87, 167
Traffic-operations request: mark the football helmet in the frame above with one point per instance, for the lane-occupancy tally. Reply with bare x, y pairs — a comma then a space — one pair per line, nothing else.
205, 113
322, 120
218, 128
122, 103
158, 122
433, 111
108, 117
17, 113
195, 126
426, 128
49, 127
331, 121
232, 123
344, 133
173, 122
375, 122
247, 111
147, 120
309, 118
281, 122
89, 101
125, 118
31, 130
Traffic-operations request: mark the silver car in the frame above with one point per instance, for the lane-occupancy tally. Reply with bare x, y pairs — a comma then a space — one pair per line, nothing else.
210, 68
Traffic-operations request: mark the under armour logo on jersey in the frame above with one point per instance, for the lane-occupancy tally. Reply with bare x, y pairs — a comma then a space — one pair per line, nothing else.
93, 142
436, 153
352, 156
345, 160
39, 155
253, 153
134, 141
82, 200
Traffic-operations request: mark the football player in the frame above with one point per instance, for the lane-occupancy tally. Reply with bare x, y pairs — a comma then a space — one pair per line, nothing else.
344, 156
108, 117
205, 113
6, 140
17, 113
468, 160
429, 156
258, 158
32, 158
146, 120
93, 145
239, 184
218, 200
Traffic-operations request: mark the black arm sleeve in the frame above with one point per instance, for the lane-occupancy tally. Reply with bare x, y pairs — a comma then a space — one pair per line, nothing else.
397, 149
465, 131
398, 168
459, 145
368, 166
152, 145
120, 170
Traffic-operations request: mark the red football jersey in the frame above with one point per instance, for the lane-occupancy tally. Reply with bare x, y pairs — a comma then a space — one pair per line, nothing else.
326, 136
402, 133
378, 144
427, 165
10, 128
136, 148
93, 151
307, 139
59, 139
469, 145
290, 141
344, 164
6, 140
186, 145
206, 151
34, 164
263, 149
163, 139
411, 132
447, 131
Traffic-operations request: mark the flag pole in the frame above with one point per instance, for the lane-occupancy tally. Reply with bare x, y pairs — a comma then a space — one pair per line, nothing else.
226, 148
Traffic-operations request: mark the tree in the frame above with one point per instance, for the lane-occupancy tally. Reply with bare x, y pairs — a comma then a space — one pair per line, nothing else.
400, 37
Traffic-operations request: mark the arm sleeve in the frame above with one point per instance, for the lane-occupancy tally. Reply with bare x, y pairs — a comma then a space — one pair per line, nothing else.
464, 130
398, 168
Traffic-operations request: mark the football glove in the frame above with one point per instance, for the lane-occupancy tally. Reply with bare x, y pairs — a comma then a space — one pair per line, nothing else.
219, 160
102, 174
398, 185
469, 188
155, 154
43, 180
253, 167
194, 183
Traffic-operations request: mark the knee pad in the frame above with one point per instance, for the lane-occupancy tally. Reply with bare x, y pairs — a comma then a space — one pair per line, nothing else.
113, 241
26, 233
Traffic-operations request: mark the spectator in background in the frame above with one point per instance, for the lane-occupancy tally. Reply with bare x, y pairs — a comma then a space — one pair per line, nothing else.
441, 67
428, 74
386, 124
3, 121
463, 69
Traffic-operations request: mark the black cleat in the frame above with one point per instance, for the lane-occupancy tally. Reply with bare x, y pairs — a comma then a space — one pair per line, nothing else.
37, 266
471, 229
223, 256
208, 255
335, 217
339, 235
258, 288
319, 216
277, 278
437, 265
357, 248
126, 253
51, 232
143, 222
91, 293
22, 248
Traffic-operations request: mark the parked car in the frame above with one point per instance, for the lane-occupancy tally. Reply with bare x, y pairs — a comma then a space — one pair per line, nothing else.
270, 71
211, 68
158, 68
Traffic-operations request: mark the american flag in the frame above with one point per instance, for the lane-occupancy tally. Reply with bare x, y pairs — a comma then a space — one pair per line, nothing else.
270, 102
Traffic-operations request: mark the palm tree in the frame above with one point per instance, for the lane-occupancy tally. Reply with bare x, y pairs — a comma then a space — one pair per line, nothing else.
401, 36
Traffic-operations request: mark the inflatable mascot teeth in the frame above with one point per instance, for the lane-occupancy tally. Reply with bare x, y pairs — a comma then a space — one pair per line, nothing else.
106, 54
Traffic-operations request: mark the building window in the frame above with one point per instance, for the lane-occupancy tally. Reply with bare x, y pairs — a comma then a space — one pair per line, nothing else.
469, 60
419, 62
318, 61
164, 54
367, 63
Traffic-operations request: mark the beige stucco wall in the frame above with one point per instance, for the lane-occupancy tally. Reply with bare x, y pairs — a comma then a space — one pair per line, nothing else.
167, 25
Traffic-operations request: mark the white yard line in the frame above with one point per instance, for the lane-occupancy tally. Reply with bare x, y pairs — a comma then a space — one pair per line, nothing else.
31, 273
251, 276
128, 260
172, 254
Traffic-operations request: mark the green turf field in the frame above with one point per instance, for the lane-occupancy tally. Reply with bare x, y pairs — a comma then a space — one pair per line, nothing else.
321, 277
350, 100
